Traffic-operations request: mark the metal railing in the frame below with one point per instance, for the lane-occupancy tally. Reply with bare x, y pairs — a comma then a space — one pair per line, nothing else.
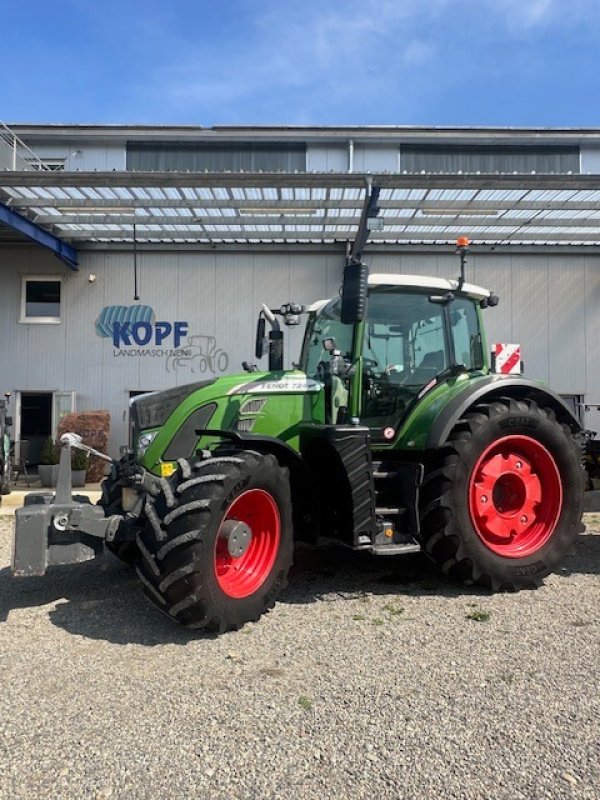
15, 154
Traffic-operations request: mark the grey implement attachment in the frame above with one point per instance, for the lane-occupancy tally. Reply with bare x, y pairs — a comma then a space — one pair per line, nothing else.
59, 529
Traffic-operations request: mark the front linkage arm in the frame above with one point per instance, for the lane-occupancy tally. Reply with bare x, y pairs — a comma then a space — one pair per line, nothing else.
64, 528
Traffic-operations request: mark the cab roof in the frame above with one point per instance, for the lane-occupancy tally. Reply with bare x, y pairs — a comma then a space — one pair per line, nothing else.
426, 282
417, 282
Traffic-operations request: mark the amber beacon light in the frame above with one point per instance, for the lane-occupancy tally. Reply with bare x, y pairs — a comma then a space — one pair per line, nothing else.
462, 248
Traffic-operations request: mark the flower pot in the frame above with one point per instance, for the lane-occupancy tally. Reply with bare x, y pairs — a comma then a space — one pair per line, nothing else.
48, 474
78, 477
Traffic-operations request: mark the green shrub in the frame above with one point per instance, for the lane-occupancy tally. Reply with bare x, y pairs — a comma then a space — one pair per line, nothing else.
50, 453
78, 460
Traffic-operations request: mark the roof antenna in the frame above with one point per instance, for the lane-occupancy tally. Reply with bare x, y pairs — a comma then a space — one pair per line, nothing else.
136, 295
462, 250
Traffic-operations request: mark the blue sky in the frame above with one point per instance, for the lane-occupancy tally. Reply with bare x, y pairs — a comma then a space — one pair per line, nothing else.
329, 62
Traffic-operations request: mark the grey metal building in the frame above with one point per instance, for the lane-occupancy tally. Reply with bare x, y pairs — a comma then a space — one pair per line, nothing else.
221, 220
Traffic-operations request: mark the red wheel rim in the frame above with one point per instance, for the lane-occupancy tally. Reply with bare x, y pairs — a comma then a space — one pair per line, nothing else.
240, 577
515, 496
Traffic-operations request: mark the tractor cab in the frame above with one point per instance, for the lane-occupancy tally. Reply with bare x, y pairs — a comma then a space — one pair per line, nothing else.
415, 333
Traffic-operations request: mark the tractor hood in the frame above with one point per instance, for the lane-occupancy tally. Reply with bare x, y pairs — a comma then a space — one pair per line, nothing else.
164, 424
153, 409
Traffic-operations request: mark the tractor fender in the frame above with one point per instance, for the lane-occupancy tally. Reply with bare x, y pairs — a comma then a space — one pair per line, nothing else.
305, 507
285, 454
495, 386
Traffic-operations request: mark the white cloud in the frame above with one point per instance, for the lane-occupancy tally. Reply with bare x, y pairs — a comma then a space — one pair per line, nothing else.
300, 60
520, 14
528, 15
320, 49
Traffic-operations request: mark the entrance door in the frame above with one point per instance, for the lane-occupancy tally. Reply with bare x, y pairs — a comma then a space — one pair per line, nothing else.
34, 422
37, 417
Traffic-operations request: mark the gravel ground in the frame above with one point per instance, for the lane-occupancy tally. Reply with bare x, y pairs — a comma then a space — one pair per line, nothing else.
372, 678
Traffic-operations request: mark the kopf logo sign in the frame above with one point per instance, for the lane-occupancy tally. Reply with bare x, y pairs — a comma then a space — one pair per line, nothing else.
142, 333
136, 325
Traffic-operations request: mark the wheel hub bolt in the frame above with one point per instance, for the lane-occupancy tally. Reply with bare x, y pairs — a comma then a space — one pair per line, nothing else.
483, 499
518, 465
523, 519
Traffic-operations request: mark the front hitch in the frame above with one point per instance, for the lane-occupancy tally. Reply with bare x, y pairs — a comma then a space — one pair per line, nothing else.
62, 528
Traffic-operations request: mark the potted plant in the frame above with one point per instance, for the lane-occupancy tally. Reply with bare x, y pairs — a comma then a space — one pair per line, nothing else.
78, 467
48, 466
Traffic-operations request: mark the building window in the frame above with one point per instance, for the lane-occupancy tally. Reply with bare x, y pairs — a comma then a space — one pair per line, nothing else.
225, 157
40, 299
488, 159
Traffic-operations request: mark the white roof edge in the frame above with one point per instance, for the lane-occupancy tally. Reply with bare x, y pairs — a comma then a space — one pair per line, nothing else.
426, 282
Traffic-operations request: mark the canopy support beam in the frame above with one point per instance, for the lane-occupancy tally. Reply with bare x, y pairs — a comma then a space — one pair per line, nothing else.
65, 252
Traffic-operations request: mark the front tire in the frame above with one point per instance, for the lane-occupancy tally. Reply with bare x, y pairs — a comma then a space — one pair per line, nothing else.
189, 565
110, 501
502, 506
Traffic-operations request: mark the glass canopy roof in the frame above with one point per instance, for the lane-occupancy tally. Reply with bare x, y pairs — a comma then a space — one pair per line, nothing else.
284, 208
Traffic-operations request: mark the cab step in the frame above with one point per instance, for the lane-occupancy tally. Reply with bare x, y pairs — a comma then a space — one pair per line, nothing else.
382, 511
392, 549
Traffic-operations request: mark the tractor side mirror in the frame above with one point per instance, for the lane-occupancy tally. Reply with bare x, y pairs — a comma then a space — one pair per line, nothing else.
490, 301
354, 293
259, 349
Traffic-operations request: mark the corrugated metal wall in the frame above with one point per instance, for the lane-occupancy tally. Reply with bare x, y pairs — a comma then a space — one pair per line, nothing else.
549, 303
103, 157
323, 156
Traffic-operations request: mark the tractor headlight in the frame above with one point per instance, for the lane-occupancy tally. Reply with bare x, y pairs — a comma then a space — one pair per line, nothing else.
144, 441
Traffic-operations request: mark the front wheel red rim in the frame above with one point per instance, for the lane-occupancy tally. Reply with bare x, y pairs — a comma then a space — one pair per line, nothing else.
515, 496
241, 577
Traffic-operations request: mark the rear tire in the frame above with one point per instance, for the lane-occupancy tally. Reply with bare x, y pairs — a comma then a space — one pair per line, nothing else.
185, 565
502, 506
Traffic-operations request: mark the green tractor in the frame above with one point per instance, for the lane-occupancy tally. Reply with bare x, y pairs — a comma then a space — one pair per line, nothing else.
390, 436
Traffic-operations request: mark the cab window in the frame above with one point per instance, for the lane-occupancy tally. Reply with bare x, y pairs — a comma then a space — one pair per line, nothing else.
465, 332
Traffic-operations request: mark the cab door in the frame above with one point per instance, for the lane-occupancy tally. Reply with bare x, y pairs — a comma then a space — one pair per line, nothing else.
403, 348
